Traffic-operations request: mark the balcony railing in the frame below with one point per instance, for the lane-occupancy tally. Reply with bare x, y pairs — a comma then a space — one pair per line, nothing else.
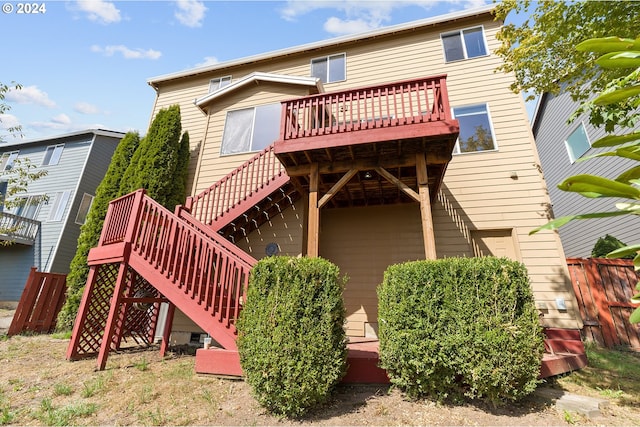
18, 229
395, 104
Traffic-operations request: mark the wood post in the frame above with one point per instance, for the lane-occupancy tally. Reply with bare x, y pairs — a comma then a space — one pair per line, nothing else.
114, 310
425, 207
313, 218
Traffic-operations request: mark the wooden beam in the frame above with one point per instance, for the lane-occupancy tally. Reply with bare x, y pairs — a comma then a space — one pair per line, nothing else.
336, 187
313, 219
425, 207
365, 164
401, 185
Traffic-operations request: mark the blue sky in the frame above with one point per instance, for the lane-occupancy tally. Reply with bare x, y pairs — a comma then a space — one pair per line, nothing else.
84, 64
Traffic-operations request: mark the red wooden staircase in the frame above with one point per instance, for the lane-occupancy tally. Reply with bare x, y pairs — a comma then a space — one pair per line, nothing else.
148, 255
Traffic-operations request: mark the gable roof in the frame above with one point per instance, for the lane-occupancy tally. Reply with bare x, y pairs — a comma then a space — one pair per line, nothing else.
58, 138
431, 21
259, 77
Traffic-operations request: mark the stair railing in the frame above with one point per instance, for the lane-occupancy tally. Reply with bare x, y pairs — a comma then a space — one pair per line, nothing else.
202, 268
237, 186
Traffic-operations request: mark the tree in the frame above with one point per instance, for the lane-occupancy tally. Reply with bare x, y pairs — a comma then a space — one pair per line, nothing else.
541, 51
108, 190
154, 164
619, 94
4, 108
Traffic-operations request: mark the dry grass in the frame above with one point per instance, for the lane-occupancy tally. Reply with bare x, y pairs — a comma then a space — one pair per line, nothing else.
39, 387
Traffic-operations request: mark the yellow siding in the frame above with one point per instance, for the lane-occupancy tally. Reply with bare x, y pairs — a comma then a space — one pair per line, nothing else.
481, 191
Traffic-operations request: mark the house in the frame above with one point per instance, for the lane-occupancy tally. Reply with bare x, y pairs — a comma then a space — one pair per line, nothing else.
45, 229
560, 146
397, 144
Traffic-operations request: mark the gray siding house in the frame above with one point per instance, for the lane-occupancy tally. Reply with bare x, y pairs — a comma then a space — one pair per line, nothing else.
560, 145
45, 232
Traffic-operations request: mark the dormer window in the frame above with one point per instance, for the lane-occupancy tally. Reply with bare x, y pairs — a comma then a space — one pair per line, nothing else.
464, 44
219, 83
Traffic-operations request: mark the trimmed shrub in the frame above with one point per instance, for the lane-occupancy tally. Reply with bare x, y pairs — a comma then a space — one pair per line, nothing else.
607, 244
460, 327
291, 339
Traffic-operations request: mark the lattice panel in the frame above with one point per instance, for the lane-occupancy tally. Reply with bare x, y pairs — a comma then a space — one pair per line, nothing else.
92, 331
140, 319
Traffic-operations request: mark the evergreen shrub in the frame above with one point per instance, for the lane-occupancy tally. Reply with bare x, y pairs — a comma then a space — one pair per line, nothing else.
291, 339
607, 244
460, 327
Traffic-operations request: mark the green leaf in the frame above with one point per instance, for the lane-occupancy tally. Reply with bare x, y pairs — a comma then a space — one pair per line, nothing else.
622, 252
629, 175
619, 60
636, 298
597, 186
608, 44
635, 316
612, 140
617, 95
632, 208
559, 222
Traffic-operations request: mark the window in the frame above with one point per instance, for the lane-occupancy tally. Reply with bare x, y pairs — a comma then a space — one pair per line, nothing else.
83, 210
52, 155
577, 143
29, 206
464, 44
219, 83
60, 203
476, 133
330, 68
251, 129
7, 159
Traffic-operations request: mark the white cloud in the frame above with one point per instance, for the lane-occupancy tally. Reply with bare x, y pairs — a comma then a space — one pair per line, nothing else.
190, 12
126, 52
30, 95
362, 15
61, 119
339, 26
62, 123
86, 108
8, 121
208, 60
101, 11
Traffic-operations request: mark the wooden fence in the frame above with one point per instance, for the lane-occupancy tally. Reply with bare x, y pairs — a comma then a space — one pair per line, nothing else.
603, 288
41, 300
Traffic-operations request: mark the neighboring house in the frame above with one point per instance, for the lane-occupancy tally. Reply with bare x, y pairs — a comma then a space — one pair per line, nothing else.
560, 145
398, 144
48, 230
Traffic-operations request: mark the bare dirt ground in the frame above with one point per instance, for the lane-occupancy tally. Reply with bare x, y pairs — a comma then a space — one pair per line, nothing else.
39, 387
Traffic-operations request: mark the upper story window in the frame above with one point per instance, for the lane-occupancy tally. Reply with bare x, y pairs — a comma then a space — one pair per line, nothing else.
330, 69
52, 155
59, 205
476, 131
251, 129
7, 159
577, 143
28, 206
464, 44
219, 83
83, 210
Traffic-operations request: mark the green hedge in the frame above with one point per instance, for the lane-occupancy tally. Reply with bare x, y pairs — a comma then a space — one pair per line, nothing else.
291, 339
460, 327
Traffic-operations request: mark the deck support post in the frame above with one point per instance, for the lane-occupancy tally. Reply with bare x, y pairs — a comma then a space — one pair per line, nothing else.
425, 207
168, 325
313, 217
83, 313
114, 311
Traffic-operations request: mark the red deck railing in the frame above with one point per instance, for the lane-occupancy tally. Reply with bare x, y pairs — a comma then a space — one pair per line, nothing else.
390, 105
199, 267
239, 185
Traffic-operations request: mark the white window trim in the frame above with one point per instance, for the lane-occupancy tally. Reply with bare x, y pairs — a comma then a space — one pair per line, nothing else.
464, 45
80, 208
456, 147
59, 206
344, 54
566, 142
253, 124
220, 80
39, 196
55, 150
8, 156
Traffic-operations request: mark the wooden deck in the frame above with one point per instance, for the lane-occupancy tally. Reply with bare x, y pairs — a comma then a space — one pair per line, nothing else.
564, 353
